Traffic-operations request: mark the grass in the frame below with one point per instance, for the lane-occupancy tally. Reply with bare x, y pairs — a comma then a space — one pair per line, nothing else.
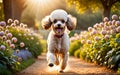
25, 64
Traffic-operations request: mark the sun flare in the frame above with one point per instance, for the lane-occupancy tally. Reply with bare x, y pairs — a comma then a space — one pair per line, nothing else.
41, 7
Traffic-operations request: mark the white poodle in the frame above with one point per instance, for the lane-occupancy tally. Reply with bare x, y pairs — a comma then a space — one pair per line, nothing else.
58, 39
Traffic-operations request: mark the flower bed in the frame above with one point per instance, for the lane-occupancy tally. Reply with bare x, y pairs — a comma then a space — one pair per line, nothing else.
17, 44
100, 44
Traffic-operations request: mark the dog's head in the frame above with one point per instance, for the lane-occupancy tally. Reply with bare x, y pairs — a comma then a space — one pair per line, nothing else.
59, 20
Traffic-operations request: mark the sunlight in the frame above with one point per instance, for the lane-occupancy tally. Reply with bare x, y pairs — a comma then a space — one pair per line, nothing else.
41, 7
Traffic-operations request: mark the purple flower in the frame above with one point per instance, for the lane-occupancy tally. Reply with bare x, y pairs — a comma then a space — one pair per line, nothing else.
2, 47
3, 23
2, 33
9, 35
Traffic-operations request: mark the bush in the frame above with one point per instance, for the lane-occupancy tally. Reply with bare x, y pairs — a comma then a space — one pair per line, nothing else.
31, 39
77, 53
74, 46
101, 43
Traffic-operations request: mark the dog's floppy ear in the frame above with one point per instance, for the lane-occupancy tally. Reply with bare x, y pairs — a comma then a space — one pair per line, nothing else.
71, 22
46, 23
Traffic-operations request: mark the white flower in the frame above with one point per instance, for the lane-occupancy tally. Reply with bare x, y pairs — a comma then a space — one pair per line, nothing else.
22, 44
2, 47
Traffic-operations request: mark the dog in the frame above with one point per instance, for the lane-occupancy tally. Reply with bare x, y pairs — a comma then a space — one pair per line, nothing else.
58, 40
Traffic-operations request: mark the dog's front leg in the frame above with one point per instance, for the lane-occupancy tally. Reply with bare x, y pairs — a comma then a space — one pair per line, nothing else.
64, 59
50, 58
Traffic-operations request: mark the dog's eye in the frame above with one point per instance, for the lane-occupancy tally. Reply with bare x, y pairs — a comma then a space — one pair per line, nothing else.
55, 21
62, 21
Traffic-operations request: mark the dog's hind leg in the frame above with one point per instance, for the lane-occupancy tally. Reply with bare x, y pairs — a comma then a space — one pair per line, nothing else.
50, 59
63, 61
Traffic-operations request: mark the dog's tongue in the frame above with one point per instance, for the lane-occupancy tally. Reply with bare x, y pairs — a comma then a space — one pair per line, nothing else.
58, 30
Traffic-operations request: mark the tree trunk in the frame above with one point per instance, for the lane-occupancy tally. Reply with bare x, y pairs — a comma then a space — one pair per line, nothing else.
106, 12
7, 9
13, 9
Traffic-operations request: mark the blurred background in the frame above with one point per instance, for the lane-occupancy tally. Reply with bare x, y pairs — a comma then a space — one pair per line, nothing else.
31, 12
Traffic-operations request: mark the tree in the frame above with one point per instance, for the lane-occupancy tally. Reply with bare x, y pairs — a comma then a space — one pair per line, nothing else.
13, 9
94, 5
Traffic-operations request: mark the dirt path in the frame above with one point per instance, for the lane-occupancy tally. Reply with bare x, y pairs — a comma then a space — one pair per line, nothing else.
75, 67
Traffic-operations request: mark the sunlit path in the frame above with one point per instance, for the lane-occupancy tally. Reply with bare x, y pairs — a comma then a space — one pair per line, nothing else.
75, 67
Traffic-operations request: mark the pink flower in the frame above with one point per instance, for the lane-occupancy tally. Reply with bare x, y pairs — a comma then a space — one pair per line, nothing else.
89, 42
107, 37
102, 25
110, 22
12, 46
96, 38
8, 42
103, 32
2, 47
14, 39
118, 29
9, 21
4, 38
16, 21
22, 44
113, 22
83, 41
117, 23
114, 17
19, 59
21, 24
6, 31
90, 29
105, 19
25, 25
13, 24
9, 35
2, 33
17, 51
112, 27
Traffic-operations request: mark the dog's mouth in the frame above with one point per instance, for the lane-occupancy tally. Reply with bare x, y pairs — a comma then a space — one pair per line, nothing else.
58, 29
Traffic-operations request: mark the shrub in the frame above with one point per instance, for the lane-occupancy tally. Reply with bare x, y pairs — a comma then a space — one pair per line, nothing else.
101, 43
77, 53
74, 46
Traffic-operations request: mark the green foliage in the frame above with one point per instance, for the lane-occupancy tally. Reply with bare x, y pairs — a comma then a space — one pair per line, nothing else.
25, 64
77, 53
98, 47
32, 40
4, 71
74, 46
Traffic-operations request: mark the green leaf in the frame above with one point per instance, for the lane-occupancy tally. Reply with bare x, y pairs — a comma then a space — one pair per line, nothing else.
1, 54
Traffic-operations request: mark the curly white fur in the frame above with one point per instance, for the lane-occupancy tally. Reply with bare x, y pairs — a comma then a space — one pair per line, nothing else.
58, 39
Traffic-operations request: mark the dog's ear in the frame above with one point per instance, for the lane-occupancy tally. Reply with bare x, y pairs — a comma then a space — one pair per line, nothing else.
46, 23
71, 22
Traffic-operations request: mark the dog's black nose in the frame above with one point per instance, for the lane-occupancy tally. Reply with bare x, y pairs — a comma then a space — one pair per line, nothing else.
59, 25
51, 64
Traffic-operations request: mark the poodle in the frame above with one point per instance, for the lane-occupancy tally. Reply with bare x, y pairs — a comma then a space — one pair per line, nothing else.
58, 40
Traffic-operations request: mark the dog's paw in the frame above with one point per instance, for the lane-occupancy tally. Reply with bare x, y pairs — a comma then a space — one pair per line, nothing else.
51, 64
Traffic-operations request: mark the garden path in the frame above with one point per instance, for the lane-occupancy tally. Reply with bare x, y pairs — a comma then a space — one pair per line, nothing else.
75, 67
